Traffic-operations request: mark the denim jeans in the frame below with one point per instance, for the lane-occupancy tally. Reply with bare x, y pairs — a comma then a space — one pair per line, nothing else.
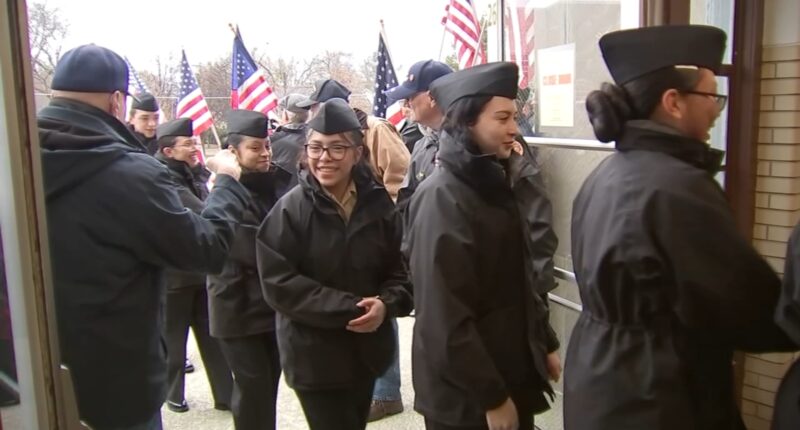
387, 387
152, 424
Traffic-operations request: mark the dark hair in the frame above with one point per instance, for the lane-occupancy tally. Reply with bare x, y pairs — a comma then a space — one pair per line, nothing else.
462, 115
233, 139
166, 142
612, 106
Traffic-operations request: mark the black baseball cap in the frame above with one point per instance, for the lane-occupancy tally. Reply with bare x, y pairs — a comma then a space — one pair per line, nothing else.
91, 69
326, 89
420, 77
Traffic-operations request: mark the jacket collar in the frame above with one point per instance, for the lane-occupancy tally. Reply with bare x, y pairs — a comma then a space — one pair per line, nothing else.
179, 167
369, 191
90, 118
646, 135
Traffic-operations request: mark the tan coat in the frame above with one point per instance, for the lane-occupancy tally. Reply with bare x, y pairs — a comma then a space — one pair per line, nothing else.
388, 155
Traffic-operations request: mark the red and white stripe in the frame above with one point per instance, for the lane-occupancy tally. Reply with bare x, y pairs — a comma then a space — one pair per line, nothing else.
256, 94
394, 114
520, 28
194, 106
462, 22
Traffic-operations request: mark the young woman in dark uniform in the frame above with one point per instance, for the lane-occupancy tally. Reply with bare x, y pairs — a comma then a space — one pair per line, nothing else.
669, 287
330, 265
480, 252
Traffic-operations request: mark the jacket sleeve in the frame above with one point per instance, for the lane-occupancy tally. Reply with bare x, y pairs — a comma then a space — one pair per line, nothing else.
444, 278
395, 291
164, 233
389, 156
279, 248
726, 292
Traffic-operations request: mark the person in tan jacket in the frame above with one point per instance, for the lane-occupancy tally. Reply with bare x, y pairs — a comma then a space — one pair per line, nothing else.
388, 155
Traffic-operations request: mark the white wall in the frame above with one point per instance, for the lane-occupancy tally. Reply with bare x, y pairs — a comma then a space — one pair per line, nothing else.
781, 22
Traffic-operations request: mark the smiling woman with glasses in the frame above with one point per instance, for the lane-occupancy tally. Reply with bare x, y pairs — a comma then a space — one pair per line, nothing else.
330, 265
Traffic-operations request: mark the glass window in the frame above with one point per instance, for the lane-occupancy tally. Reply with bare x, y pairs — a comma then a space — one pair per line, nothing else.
718, 13
555, 43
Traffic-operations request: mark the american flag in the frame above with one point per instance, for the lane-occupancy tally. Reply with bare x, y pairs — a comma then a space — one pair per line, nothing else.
191, 103
136, 87
462, 22
249, 87
519, 22
386, 78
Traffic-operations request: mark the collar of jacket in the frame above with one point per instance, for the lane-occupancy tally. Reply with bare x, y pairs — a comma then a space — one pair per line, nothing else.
179, 167
90, 118
366, 187
484, 173
292, 128
144, 140
264, 183
646, 135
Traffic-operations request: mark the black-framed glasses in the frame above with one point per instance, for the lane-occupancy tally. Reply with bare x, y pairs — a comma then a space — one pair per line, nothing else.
720, 99
335, 152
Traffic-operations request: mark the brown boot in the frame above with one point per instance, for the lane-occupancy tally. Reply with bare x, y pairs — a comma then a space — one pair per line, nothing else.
383, 408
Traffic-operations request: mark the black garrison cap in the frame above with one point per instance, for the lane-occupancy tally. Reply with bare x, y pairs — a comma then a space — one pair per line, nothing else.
630, 54
326, 89
247, 123
335, 116
176, 127
492, 79
146, 102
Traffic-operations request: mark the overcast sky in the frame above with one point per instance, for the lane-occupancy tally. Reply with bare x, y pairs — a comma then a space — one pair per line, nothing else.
145, 29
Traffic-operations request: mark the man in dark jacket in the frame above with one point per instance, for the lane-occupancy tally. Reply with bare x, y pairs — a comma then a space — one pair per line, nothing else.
429, 116
288, 140
144, 117
114, 222
240, 317
187, 300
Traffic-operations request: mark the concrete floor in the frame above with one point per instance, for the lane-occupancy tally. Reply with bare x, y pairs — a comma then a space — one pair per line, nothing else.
203, 416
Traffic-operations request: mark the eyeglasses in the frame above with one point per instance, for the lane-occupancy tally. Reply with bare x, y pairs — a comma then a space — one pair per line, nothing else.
335, 152
720, 99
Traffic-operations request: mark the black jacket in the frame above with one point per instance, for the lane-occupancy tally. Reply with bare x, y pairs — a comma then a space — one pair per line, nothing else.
287, 145
411, 134
787, 401
669, 290
314, 268
236, 303
422, 165
114, 222
481, 265
192, 190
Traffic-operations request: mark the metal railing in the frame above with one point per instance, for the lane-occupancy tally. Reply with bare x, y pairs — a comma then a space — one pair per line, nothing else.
568, 276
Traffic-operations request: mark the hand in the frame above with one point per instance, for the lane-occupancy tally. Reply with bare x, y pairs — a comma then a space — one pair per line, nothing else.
375, 313
504, 417
225, 163
554, 366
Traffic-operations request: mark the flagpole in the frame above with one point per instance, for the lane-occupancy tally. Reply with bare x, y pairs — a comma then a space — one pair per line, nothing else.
444, 30
216, 136
480, 45
385, 40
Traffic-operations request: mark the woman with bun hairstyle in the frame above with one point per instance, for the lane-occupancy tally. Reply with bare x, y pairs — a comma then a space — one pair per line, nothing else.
669, 287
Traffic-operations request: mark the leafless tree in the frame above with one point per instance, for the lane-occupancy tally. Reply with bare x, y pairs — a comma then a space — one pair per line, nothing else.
46, 31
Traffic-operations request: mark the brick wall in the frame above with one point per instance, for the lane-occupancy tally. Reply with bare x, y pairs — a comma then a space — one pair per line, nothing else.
777, 208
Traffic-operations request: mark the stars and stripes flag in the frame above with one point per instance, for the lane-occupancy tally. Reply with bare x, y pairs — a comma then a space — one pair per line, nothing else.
385, 78
519, 27
136, 87
191, 103
461, 20
249, 87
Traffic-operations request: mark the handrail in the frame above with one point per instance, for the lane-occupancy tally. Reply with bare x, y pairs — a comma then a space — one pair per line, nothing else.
569, 277
591, 145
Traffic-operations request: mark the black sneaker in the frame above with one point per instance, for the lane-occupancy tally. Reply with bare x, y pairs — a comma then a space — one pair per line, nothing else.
222, 407
178, 407
188, 367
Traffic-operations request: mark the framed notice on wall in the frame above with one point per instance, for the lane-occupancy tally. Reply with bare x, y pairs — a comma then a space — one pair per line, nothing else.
555, 68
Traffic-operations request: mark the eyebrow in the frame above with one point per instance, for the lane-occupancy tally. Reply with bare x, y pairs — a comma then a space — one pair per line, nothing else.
335, 142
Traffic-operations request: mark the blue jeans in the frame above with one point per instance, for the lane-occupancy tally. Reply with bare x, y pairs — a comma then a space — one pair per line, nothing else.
151, 424
387, 387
